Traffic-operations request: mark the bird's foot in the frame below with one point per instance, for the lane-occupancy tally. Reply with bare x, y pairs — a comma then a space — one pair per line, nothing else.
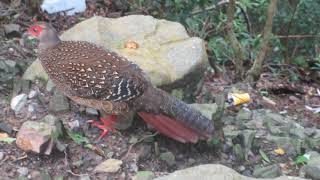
106, 126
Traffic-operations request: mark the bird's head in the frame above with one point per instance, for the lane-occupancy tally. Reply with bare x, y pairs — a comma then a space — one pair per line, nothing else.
36, 30
44, 33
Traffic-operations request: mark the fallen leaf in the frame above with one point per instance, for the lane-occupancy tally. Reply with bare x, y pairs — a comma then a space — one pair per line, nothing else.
302, 159
78, 138
110, 166
264, 156
279, 151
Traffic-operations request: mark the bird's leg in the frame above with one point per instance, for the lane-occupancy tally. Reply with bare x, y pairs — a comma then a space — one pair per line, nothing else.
106, 126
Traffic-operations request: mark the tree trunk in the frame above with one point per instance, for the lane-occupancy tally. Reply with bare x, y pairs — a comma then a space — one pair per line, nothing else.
236, 46
256, 69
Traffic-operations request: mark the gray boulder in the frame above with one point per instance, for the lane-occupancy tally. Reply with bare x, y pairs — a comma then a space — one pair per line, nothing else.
213, 171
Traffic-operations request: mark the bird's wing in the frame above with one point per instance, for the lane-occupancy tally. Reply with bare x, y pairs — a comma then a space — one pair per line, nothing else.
88, 71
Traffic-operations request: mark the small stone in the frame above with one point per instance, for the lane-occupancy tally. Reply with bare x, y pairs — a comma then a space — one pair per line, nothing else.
110, 154
191, 161
35, 174
18, 102
294, 99
86, 177
74, 124
272, 171
50, 86
31, 108
133, 140
143, 152
109, 166
91, 111
59, 177
144, 175
32, 94
6, 127
241, 168
12, 30
133, 167
1, 155
58, 103
23, 171
38, 137
168, 157
244, 116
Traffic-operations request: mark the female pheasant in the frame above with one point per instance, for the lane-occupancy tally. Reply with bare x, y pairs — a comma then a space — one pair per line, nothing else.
96, 77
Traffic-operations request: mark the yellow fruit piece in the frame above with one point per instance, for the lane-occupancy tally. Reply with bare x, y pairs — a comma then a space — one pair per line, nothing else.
239, 98
279, 151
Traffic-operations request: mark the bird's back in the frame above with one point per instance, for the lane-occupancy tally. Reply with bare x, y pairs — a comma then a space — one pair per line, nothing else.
82, 69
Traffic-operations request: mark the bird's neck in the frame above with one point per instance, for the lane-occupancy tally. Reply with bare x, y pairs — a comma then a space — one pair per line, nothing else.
50, 40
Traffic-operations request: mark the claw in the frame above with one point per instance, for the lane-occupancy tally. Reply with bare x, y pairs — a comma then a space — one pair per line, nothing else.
106, 126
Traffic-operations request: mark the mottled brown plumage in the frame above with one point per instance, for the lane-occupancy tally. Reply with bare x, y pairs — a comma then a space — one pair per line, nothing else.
93, 76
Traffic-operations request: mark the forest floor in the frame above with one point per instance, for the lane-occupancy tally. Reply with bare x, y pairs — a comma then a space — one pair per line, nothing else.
283, 97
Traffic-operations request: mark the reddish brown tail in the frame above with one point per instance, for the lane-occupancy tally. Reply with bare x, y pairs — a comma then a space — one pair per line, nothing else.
173, 117
172, 128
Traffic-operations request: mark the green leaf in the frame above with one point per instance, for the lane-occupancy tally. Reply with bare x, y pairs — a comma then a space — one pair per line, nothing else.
78, 138
302, 159
264, 156
7, 139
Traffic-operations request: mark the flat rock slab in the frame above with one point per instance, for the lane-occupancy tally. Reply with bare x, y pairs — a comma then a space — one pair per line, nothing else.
214, 171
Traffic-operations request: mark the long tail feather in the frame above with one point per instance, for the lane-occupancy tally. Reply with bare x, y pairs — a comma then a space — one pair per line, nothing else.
172, 128
173, 117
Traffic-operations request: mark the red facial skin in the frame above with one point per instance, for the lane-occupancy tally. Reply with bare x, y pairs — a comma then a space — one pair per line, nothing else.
35, 30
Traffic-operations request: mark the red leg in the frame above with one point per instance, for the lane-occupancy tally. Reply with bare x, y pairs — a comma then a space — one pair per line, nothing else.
106, 126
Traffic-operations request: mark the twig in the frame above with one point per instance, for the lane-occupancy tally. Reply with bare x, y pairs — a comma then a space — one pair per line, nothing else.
75, 174
21, 158
140, 140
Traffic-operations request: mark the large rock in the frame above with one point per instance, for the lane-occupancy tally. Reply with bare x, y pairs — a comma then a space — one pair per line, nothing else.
165, 51
213, 171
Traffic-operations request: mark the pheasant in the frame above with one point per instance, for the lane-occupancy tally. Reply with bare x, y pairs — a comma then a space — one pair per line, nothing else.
96, 77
